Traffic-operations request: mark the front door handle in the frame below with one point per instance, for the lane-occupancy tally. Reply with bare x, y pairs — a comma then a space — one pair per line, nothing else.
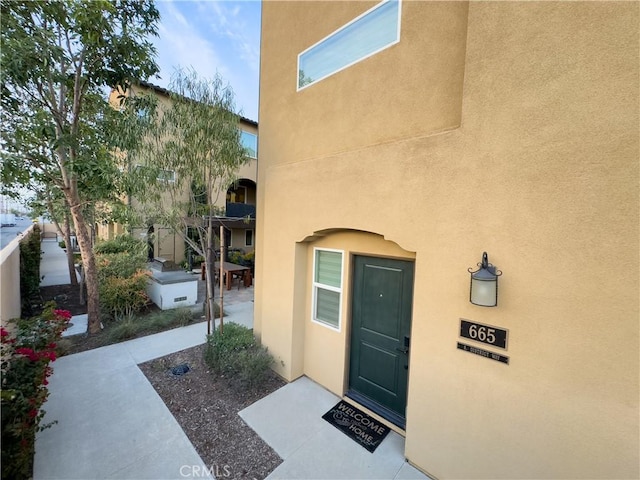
405, 348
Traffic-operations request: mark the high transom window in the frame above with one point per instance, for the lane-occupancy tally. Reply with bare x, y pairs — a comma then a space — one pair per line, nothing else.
368, 34
327, 287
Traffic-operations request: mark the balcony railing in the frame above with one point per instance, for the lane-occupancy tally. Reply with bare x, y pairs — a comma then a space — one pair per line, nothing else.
238, 210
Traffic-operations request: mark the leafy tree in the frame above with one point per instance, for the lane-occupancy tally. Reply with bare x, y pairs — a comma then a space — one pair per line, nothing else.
189, 154
57, 58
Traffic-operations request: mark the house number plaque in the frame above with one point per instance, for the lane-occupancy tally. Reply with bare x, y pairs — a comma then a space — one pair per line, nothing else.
494, 336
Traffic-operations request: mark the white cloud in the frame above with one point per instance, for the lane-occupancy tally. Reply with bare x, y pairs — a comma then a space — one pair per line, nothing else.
213, 36
231, 20
180, 45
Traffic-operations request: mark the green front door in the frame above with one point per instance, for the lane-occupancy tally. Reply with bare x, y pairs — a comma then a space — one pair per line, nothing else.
380, 335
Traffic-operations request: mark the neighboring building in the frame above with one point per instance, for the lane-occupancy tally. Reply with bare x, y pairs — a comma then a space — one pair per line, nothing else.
418, 136
238, 202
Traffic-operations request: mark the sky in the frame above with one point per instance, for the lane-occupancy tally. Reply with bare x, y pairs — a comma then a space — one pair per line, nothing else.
212, 36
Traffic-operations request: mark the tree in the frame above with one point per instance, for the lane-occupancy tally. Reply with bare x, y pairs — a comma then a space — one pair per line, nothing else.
56, 60
188, 154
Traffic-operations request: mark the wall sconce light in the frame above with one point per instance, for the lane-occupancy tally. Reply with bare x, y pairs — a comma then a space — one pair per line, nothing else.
484, 284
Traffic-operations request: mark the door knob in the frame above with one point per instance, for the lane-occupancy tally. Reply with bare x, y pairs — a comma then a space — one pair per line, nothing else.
405, 348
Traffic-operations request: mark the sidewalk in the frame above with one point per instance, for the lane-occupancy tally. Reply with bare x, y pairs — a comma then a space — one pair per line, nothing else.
111, 423
53, 266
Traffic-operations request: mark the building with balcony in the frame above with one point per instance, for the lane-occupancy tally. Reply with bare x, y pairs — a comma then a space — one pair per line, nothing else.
237, 204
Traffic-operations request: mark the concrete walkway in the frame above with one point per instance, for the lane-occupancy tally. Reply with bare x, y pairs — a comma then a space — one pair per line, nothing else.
53, 266
290, 421
111, 423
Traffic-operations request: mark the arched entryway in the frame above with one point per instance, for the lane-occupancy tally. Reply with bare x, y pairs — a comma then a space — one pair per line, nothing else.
359, 308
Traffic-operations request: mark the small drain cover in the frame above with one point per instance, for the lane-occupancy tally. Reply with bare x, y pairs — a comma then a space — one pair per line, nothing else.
180, 369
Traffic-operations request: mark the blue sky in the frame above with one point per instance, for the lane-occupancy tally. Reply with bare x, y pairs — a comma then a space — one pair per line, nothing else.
213, 36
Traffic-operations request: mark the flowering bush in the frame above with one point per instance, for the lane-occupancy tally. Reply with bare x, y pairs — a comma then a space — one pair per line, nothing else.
26, 354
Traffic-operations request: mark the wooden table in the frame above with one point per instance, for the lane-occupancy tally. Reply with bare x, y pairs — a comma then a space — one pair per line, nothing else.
231, 270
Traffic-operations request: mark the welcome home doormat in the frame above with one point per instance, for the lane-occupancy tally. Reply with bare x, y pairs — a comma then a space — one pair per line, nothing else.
357, 425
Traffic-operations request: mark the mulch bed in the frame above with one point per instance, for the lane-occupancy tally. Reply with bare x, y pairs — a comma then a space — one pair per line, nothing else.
206, 406
67, 297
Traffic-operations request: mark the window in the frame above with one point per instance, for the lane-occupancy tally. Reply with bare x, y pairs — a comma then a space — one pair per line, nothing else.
162, 175
327, 287
250, 142
237, 194
248, 238
167, 175
370, 33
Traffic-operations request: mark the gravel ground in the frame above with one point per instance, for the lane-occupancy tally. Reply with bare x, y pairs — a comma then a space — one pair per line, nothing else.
206, 407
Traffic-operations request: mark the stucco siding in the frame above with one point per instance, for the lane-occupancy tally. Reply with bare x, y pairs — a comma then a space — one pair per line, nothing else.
524, 145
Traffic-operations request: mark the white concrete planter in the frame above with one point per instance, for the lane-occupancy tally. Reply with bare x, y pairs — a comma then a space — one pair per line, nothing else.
172, 289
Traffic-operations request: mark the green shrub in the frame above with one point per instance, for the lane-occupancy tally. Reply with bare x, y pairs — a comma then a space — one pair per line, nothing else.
240, 258
61, 244
123, 330
122, 244
236, 257
123, 296
236, 354
253, 365
121, 265
183, 316
129, 326
158, 320
122, 277
30, 255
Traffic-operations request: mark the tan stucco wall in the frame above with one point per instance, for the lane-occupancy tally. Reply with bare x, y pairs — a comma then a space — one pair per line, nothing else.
542, 173
49, 230
10, 299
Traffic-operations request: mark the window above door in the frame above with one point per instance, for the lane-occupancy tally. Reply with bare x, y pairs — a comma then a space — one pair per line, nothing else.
366, 35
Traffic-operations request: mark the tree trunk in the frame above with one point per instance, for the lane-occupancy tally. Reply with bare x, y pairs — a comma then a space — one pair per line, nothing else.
209, 279
67, 241
89, 266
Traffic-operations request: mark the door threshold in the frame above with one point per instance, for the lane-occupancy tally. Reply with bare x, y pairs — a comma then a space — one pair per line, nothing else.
389, 415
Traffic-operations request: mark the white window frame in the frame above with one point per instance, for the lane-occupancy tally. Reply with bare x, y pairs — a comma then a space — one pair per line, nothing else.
375, 7
252, 238
158, 177
255, 153
316, 285
172, 179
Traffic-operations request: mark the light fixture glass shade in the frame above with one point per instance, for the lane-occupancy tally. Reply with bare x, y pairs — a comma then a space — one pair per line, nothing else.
484, 284
484, 292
